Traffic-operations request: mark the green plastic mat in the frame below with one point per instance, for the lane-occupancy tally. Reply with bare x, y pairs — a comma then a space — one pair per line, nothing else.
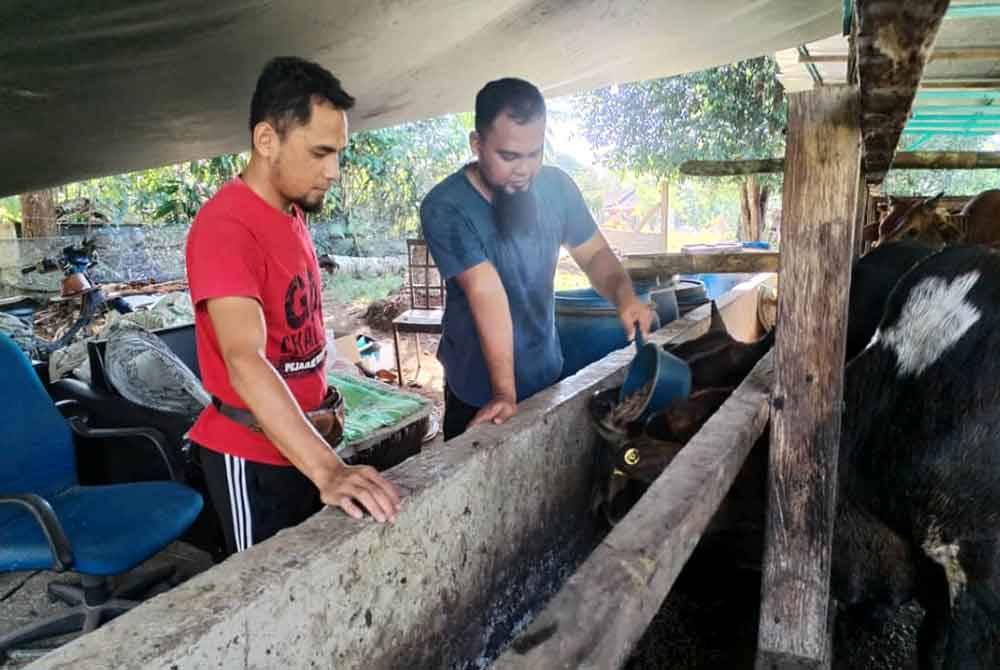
371, 406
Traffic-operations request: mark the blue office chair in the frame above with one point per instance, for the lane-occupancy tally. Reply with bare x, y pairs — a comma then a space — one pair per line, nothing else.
49, 522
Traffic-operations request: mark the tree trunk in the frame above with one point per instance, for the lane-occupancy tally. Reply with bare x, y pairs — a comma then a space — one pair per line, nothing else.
744, 230
753, 206
38, 214
761, 212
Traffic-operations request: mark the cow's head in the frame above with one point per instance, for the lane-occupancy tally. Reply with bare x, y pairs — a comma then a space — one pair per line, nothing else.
717, 359
718, 364
921, 220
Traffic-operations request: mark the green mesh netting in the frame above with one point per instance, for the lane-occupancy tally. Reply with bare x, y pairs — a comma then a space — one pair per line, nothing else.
370, 406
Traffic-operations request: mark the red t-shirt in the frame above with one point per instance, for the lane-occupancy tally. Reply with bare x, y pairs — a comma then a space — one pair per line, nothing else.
239, 245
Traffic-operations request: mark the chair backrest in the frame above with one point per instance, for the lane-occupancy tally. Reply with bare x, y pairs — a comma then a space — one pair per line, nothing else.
180, 340
36, 447
427, 287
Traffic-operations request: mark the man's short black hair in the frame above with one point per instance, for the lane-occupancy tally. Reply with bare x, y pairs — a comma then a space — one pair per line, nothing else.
286, 90
519, 99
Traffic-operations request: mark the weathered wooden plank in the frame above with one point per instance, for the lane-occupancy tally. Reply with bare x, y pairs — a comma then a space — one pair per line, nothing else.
731, 168
860, 216
947, 160
906, 160
604, 608
647, 266
893, 41
819, 206
871, 217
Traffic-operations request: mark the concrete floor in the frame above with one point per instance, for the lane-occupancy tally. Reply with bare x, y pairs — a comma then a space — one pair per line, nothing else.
23, 597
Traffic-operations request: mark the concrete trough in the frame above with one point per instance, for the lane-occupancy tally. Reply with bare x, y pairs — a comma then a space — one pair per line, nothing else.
492, 525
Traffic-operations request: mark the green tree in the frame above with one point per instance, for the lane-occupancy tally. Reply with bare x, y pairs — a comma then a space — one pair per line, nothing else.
734, 111
386, 173
951, 182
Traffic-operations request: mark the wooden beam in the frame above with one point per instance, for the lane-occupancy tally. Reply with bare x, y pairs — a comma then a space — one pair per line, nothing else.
947, 160
871, 214
649, 266
905, 160
731, 168
893, 40
860, 217
819, 209
604, 608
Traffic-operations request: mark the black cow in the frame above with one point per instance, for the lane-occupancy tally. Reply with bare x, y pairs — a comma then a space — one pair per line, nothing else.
919, 464
920, 460
635, 455
717, 359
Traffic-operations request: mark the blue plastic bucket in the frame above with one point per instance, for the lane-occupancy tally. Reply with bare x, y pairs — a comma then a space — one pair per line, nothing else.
669, 374
588, 327
664, 299
690, 294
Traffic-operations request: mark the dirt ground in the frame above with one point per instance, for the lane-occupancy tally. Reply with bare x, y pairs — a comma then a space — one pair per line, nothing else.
709, 620
428, 381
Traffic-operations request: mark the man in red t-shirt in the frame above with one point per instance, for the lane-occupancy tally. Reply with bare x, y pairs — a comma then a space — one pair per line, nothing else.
255, 284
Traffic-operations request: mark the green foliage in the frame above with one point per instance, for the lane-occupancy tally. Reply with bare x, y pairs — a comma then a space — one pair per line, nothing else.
730, 112
701, 203
10, 210
649, 128
386, 173
344, 289
171, 194
951, 182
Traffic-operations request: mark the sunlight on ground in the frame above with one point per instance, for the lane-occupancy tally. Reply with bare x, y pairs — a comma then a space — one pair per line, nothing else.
358, 292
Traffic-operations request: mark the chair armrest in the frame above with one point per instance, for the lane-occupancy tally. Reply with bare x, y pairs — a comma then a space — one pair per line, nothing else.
39, 507
78, 422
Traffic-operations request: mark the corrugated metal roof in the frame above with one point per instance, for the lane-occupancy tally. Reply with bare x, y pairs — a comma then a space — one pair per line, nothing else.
960, 90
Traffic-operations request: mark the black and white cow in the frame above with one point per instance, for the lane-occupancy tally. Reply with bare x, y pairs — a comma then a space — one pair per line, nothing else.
919, 466
873, 277
919, 461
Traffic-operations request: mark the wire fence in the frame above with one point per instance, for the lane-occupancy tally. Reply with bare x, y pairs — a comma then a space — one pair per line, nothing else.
133, 253
125, 253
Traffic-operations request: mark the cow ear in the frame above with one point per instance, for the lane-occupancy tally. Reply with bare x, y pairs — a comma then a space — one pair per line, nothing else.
717, 324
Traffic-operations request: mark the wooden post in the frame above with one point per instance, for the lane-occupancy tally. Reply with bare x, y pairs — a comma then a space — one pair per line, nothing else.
38, 214
905, 160
665, 212
871, 215
819, 211
860, 217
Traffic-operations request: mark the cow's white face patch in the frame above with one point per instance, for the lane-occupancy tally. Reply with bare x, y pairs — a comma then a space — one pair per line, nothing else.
936, 316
